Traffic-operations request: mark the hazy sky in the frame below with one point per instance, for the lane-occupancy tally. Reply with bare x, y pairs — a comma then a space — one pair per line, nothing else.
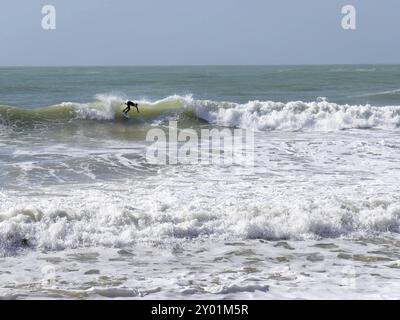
189, 32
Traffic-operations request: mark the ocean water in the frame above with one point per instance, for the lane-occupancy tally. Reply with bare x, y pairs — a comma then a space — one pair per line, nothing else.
83, 214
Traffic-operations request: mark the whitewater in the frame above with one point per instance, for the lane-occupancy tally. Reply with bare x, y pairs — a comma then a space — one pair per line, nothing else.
84, 215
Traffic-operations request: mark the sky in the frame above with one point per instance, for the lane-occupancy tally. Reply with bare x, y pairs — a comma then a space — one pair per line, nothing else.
198, 32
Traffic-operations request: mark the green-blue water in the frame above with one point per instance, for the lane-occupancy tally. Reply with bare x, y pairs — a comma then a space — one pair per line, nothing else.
353, 84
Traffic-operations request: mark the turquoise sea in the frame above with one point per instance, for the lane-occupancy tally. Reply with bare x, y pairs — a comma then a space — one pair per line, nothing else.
352, 84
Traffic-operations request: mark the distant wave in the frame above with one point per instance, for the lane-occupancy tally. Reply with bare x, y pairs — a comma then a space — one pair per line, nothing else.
343, 69
365, 69
320, 115
383, 94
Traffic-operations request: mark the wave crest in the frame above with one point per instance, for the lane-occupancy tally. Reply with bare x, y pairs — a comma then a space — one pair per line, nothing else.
320, 115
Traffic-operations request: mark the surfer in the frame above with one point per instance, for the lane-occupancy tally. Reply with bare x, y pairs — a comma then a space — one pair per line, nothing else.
128, 108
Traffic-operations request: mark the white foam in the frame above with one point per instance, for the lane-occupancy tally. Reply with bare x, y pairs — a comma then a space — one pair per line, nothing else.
103, 109
297, 115
92, 217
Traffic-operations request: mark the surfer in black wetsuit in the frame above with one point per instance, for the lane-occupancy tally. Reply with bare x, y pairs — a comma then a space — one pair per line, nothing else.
130, 104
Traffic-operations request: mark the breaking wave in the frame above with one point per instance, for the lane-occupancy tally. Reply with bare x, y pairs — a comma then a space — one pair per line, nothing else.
320, 115
100, 222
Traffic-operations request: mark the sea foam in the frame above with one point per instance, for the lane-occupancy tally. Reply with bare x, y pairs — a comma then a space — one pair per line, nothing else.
297, 115
95, 218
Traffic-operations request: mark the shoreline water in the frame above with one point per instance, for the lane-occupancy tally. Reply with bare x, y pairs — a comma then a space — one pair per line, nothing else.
209, 270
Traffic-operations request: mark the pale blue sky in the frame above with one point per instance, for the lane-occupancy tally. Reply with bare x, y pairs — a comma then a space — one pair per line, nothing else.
201, 32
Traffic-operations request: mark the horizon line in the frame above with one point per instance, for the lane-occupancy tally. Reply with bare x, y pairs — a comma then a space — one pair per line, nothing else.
196, 65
